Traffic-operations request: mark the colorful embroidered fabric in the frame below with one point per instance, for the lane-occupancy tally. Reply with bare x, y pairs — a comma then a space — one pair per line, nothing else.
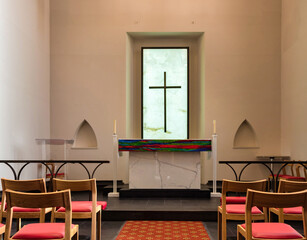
144, 145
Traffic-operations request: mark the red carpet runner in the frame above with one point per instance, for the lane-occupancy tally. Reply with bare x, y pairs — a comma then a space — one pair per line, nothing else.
163, 230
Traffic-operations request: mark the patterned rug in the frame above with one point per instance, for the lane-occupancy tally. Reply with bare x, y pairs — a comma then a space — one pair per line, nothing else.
163, 230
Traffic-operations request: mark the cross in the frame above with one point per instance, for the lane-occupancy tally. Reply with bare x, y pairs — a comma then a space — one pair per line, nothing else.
164, 87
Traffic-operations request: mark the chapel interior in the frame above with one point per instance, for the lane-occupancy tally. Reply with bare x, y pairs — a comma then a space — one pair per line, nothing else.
71, 79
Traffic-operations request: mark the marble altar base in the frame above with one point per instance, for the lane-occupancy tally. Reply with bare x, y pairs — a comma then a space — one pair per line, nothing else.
164, 170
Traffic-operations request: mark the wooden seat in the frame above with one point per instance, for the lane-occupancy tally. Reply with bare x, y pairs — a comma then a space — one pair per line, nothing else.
35, 185
41, 230
82, 209
269, 230
289, 213
236, 211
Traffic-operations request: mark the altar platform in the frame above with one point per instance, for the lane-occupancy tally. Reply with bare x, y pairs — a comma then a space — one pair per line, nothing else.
177, 209
158, 208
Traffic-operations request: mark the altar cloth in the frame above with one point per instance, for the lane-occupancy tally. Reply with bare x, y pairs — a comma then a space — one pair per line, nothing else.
165, 145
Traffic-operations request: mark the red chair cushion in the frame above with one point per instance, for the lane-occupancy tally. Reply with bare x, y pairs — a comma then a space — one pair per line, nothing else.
234, 200
273, 231
20, 209
293, 210
41, 231
1, 225
280, 175
103, 204
240, 209
293, 178
59, 174
79, 206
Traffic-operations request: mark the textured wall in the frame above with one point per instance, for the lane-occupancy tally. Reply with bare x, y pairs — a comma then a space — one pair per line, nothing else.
294, 78
241, 71
24, 80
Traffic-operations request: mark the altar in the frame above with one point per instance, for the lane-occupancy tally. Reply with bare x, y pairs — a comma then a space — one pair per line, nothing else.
164, 164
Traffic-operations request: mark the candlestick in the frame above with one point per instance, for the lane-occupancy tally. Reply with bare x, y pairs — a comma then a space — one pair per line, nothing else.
114, 127
214, 126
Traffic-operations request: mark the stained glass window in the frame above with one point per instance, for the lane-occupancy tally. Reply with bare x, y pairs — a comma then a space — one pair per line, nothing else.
165, 87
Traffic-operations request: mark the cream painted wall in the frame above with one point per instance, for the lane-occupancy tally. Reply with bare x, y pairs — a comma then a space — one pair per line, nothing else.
24, 80
294, 78
241, 55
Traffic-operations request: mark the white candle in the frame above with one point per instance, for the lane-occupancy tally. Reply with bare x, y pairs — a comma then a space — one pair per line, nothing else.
114, 127
214, 126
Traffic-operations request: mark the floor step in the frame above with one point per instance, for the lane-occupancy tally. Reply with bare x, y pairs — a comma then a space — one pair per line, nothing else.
125, 192
125, 215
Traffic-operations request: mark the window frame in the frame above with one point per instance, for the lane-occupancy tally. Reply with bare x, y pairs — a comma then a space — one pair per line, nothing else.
188, 86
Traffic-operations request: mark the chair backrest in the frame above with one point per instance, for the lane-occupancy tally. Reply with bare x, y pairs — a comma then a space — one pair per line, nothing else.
300, 167
24, 185
286, 186
38, 200
35, 185
77, 186
288, 169
51, 165
274, 200
241, 187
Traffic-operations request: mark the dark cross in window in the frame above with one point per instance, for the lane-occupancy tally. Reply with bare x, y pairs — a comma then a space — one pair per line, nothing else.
164, 87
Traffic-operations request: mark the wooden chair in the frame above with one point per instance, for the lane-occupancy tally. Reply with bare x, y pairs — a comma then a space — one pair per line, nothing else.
35, 185
60, 175
288, 173
294, 176
289, 213
63, 231
48, 175
299, 169
268, 230
237, 211
82, 209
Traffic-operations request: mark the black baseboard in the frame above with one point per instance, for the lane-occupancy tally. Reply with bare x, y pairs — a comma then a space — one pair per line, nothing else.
108, 182
159, 215
125, 192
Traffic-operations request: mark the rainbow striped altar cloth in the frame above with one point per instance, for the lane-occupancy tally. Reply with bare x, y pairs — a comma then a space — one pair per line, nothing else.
144, 145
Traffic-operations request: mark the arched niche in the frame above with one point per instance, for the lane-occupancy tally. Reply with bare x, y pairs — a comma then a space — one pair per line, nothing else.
85, 136
245, 136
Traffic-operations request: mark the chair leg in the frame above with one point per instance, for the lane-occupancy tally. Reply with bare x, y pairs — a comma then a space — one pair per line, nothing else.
239, 235
281, 217
93, 227
219, 226
42, 218
99, 225
18, 224
224, 228
52, 217
76, 236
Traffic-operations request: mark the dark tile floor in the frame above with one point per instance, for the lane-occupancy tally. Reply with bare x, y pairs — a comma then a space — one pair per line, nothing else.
110, 229
161, 204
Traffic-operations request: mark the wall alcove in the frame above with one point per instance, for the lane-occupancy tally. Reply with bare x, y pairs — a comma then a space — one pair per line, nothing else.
85, 136
245, 136
134, 43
